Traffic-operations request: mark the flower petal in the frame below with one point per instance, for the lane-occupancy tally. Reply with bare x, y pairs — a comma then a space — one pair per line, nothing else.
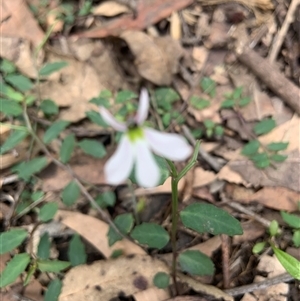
142, 112
111, 120
170, 146
146, 169
117, 169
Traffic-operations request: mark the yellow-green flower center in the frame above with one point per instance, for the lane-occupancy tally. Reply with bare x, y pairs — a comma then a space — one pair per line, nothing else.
135, 134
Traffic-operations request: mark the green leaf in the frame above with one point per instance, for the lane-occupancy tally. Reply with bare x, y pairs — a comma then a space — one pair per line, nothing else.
124, 96
53, 290
208, 86
166, 119
290, 263
100, 101
11, 239
54, 130
227, 104
265, 126
273, 228
70, 194
296, 238
161, 280
95, 117
49, 107
76, 252
14, 268
7, 67
152, 235
106, 199
47, 212
14, 139
209, 124
219, 130
10, 107
258, 247
52, 67
52, 266
197, 133
278, 158
165, 96
37, 195
43, 251
67, 148
237, 92
251, 148
244, 101
196, 263
277, 146
92, 147
20, 82
205, 218
10, 93
85, 8
261, 160
124, 222
199, 103
291, 219
26, 169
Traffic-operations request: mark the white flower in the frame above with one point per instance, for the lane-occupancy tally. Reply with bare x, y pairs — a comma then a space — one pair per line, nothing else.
136, 147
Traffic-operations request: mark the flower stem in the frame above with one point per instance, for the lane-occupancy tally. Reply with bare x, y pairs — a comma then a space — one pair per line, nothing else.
174, 185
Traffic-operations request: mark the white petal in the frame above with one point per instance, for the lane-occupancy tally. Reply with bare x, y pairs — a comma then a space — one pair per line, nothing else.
111, 120
117, 169
142, 112
146, 169
170, 146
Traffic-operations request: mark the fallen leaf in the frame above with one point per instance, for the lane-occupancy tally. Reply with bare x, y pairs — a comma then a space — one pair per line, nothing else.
85, 225
200, 55
152, 294
175, 26
203, 177
110, 9
252, 230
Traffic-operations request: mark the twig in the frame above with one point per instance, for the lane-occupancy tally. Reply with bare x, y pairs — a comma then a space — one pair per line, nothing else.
278, 40
204, 154
225, 260
259, 285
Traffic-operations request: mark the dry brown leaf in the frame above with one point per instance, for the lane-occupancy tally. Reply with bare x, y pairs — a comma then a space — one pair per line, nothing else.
209, 246
252, 230
175, 26
152, 294
85, 225
20, 23
110, 9
203, 177
104, 280
200, 55
155, 59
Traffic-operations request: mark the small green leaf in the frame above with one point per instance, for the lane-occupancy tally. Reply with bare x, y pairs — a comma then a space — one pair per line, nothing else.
67, 148
95, 117
11, 239
208, 218
227, 104
26, 169
85, 8
209, 124
53, 290
196, 263
124, 96
251, 148
208, 86
258, 247
116, 253
244, 101
278, 158
70, 194
296, 238
197, 133
261, 160
47, 212
10, 93
20, 82
165, 96
76, 252
291, 219
93, 148
161, 280
49, 107
265, 126
166, 119
199, 103
43, 251
37, 195
100, 101
152, 235
10, 107
273, 228
277, 146
237, 92
124, 222
14, 268
14, 139
7, 67
219, 130
54, 130
52, 266
290, 263
106, 199
52, 67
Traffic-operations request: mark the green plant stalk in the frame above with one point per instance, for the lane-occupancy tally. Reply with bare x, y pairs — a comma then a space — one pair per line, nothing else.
174, 186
